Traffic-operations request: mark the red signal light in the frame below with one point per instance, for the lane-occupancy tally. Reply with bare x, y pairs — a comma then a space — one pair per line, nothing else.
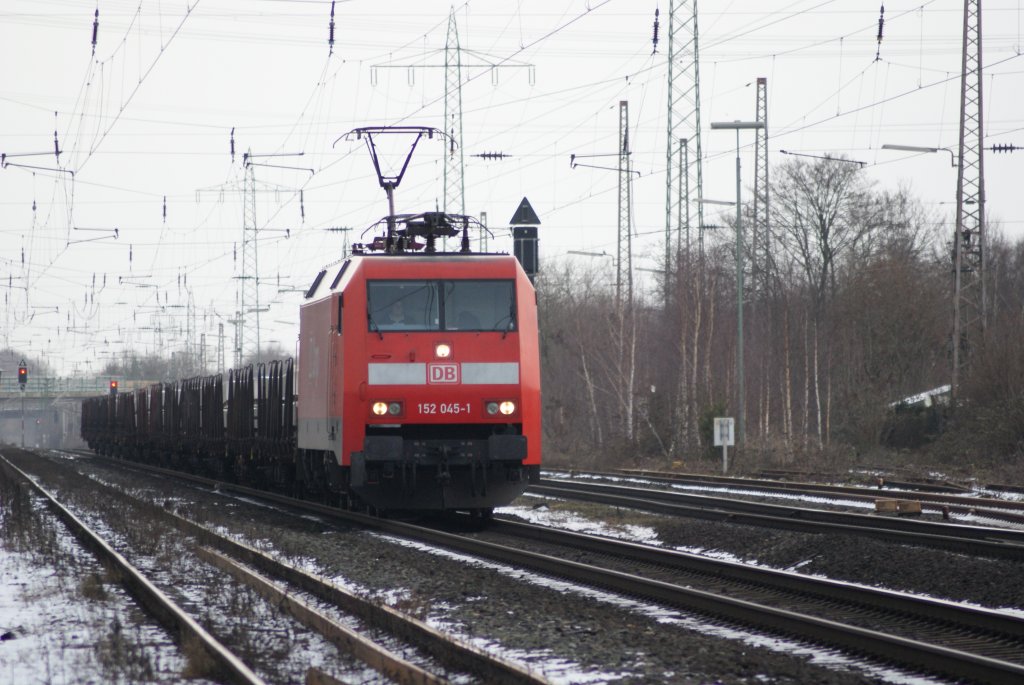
113, 387
22, 375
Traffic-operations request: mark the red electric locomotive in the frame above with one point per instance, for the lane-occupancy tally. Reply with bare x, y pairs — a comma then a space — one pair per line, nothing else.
419, 376
418, 382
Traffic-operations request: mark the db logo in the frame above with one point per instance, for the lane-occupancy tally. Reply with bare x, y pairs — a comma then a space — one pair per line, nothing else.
442, 373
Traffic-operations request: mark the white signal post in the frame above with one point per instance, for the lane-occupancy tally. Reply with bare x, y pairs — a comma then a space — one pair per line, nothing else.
725, 435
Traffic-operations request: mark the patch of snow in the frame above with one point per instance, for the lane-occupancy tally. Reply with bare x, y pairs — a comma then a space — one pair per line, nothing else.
1000, 494
798, 565
572, 521
711, 488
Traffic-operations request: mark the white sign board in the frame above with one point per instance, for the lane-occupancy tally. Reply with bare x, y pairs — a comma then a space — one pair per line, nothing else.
724, 432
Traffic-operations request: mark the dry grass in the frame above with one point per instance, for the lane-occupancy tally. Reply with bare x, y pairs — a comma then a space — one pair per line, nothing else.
198, 662
125, 654
91, 587
23, 530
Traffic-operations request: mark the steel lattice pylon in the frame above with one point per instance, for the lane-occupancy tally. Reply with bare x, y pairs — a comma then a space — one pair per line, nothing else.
760, 233
969, 300
250, 266
624, 260
682, 208
454, 187
683, 183
220, 348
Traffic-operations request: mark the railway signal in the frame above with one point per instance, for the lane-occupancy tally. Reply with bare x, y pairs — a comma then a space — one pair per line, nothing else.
22, 381
113, 387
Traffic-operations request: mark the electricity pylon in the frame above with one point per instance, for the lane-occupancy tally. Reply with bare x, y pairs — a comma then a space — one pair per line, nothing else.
760, 233
247, 296
683, 184
969, 298
624, 261
454, 185
250, 263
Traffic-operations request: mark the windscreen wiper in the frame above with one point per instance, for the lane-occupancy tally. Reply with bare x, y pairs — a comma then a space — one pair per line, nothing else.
373, 324
511, 323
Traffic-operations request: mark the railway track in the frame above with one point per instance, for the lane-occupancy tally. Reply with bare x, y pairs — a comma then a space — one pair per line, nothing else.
924, 635
975, 540
939, 499
169, 614
281, 584
902, 617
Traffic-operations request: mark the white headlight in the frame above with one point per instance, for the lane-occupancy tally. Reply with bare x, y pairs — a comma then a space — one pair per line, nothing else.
507, 407
443, 350
380, 408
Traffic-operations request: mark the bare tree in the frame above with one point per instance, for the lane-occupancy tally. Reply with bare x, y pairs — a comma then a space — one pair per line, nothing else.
822, 210
848, 312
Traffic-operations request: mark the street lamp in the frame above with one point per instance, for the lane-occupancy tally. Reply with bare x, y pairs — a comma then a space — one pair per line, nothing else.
915, 148
740, 388
960, 236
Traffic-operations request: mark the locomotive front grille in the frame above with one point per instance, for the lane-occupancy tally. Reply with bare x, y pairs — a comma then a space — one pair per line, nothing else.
422, 466
427, 444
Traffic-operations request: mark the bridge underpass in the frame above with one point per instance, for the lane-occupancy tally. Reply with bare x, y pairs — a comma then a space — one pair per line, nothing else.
48, 412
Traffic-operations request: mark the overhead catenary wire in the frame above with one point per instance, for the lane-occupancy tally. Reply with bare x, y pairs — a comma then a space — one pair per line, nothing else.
527, 157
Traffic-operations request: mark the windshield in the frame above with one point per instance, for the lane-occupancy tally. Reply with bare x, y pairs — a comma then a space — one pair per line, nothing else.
464, 305
402, 305
479, 306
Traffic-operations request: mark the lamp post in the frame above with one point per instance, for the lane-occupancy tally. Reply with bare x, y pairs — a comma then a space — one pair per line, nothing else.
740, 388
957, 253
915, 148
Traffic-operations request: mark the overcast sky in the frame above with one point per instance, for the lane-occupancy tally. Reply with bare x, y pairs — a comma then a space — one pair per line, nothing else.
149, 116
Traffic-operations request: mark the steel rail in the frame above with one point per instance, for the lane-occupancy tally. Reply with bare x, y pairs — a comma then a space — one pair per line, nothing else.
892, 649
876, 644
994, 542
1012, 510
987, 620
896, 523
169, 614
817, 630
346, 639
445, 648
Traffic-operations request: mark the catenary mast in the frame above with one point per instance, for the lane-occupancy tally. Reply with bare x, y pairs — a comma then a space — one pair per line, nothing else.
683, 181
969, 298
